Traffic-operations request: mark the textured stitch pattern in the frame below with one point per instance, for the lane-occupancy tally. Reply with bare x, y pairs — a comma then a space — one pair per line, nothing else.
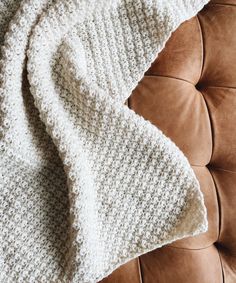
85, 183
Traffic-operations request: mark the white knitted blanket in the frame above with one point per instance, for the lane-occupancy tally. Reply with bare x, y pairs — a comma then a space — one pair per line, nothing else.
85, 183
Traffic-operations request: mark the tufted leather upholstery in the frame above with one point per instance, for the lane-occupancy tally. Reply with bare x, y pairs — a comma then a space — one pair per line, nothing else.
190, 94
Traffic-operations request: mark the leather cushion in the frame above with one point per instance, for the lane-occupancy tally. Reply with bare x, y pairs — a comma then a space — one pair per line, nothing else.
190, 94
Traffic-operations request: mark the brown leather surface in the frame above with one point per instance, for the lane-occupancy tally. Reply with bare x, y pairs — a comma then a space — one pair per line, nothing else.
190, 94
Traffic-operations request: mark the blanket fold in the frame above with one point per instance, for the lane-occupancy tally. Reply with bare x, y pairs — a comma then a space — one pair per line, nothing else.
86, 184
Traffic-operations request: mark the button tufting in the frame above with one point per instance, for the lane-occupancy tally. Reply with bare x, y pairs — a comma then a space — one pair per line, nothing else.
193, 100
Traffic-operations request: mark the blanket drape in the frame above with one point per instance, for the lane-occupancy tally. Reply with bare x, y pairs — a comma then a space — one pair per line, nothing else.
85, 183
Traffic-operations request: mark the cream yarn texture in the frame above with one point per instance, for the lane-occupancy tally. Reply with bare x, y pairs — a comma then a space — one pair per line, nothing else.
85, 183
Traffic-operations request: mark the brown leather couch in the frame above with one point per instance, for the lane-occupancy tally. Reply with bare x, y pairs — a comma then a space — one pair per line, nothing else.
190, 94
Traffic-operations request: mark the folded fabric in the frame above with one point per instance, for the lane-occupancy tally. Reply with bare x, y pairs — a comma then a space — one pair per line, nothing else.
86, 184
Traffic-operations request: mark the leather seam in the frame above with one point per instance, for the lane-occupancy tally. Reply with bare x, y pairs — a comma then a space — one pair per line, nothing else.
170, 77
211, 124
219, 205
140, 270
201, 166
208, 166
190, 249
189, 82
220, 169
203, 47
222, 4
221, 264
216, 86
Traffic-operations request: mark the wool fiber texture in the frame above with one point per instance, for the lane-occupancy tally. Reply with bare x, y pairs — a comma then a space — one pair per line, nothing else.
86, 184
